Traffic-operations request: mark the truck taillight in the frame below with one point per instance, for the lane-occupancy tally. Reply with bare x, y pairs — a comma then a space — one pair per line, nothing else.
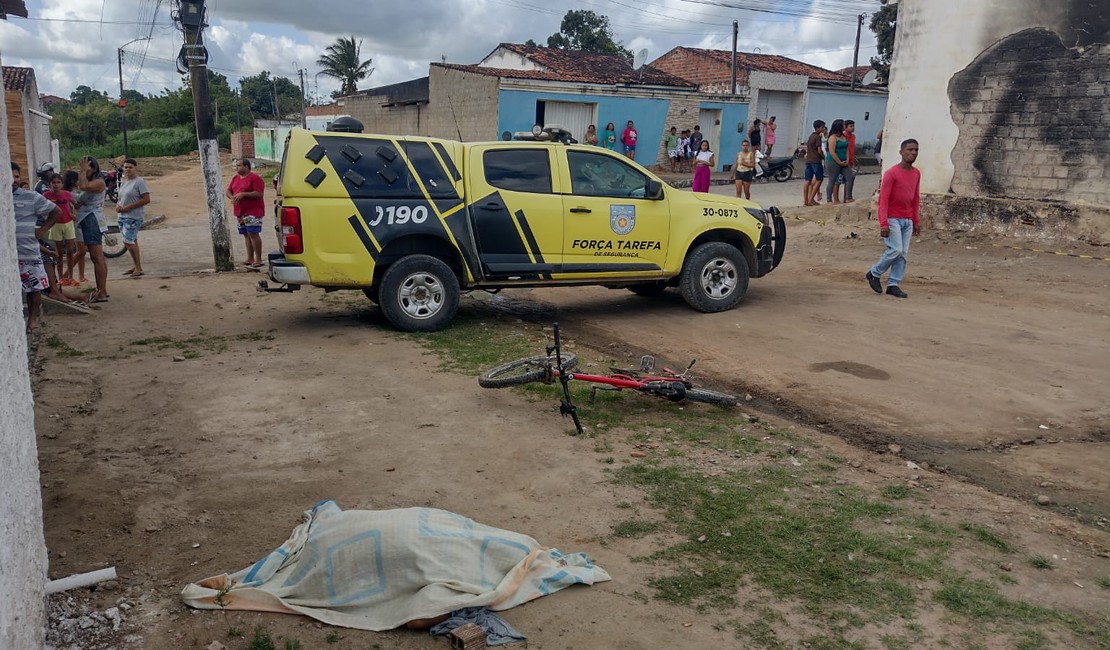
292, 242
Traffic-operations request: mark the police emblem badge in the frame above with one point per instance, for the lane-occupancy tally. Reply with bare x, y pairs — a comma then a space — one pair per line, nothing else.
622, 218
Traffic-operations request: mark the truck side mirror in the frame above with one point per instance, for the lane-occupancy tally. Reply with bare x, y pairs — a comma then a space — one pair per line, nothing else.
653, 190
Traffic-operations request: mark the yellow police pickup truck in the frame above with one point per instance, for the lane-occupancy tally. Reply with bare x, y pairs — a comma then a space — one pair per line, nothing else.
412, 221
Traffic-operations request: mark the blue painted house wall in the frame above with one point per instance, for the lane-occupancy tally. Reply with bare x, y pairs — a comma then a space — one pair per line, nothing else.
867, 109
516, 111
732, 116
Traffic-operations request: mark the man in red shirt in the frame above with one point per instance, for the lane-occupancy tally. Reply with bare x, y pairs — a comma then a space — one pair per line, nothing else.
246, 192
850, 173
899, 213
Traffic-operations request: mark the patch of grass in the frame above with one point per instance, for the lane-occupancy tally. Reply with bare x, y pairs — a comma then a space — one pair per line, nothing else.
979, 600
1104, 582
896, 492
624, 505
815, 549
332, 637
262, 640
761, 635
1041, 562
476, 342
1032, 640
987, 537
634, 528
61, 348
1007, 579
234, 632
293, 644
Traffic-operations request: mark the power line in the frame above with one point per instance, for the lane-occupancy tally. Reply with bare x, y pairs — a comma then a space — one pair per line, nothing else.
85, 20
832, 11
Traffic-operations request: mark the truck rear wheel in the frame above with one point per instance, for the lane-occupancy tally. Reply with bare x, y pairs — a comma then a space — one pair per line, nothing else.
419, 293
714, 277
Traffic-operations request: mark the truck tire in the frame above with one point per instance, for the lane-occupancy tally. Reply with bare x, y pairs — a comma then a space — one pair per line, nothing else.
648, 289
419, 293
714, 277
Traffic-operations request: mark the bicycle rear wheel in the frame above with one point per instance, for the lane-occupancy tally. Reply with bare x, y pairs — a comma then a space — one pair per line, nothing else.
710, 397
523, 371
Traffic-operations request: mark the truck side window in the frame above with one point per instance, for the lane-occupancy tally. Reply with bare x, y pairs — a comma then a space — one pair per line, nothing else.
518, 170
594, 174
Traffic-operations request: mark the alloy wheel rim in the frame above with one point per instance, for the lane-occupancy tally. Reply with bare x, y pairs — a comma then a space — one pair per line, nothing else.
718, 278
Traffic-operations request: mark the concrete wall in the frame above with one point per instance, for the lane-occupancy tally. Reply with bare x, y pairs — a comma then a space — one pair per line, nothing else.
711, 75
376, 117
22, 547
867, 109
998, 112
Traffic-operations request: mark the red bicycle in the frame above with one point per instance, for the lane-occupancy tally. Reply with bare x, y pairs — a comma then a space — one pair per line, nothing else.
555, 365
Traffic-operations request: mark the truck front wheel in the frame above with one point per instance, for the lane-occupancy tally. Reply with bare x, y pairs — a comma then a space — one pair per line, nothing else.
419, 293
714, 277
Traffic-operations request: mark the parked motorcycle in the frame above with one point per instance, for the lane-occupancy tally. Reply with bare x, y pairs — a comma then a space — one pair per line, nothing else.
112, 180
780, 169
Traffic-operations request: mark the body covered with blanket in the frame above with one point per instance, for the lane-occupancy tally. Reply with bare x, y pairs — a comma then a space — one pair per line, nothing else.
379, 569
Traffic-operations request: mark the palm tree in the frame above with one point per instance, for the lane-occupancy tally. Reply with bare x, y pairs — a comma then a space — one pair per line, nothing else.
342, 62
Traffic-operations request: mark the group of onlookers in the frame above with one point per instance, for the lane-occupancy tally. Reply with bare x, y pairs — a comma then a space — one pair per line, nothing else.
63, 219
830, 151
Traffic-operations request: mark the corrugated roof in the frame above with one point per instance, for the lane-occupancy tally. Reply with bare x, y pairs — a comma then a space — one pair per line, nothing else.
404, 92
15, 77
13, 8
578, 67
768, 63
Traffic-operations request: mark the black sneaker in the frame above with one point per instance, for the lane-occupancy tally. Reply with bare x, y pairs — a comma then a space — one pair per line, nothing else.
876, 285
896, 292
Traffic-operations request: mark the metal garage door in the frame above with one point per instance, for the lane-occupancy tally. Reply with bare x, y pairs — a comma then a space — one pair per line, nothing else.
781, 105
572, 116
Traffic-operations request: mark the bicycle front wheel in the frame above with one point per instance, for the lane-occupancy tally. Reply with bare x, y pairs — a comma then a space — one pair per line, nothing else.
710, 397
523, 371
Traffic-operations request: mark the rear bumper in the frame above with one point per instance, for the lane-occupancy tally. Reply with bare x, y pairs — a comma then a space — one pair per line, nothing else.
286, 272
772, 243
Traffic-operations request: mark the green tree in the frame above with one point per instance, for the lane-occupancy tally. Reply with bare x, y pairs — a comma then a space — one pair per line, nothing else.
259, 92
343, 61
586, 31
883, 24
83, 95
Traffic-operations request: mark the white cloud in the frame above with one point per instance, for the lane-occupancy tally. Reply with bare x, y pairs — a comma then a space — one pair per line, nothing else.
248, 36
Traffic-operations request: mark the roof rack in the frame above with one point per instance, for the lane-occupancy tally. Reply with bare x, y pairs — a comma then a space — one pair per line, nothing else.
549, 133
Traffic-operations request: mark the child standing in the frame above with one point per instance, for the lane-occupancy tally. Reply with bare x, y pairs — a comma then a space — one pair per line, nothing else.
63, 234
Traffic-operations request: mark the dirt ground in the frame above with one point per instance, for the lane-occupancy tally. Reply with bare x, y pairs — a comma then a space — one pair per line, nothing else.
994, 374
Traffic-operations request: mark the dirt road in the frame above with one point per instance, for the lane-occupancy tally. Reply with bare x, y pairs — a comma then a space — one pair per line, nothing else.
996, 367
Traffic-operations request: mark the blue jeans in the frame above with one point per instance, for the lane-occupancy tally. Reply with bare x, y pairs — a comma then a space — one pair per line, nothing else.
897, 247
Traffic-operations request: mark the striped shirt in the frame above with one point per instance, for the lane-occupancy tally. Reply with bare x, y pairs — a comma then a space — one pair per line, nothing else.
30, 208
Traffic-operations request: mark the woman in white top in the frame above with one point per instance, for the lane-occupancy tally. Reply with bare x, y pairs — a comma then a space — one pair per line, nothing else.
703, 162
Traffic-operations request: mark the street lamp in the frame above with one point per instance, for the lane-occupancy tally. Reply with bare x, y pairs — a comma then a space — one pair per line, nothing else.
316, 82
122, 102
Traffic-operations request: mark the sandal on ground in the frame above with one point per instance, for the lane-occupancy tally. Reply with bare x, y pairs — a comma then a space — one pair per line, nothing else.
99, 299
128, 272
138, 275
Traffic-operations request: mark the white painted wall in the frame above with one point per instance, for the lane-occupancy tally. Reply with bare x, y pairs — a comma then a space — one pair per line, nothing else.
507, 59
935, 40
22, 546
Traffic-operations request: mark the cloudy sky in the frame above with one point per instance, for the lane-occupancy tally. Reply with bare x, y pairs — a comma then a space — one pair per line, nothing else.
74, 42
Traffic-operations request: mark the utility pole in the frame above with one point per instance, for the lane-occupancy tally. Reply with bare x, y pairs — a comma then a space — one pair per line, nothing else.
855, 56
304, 117
191, 17
122, 101
735, 33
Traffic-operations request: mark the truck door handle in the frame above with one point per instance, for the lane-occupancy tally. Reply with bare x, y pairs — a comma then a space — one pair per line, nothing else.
492, 205
580, 210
